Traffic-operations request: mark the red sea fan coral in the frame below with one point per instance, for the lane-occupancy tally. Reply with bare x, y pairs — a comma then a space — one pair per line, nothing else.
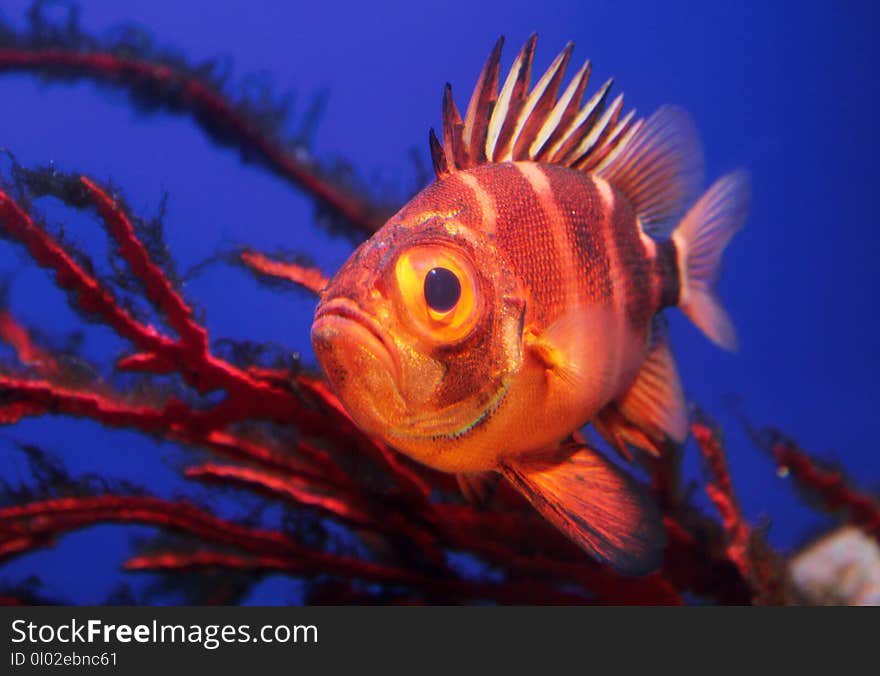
362, 524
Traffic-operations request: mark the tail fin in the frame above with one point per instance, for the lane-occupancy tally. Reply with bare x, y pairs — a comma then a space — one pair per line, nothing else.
700, 239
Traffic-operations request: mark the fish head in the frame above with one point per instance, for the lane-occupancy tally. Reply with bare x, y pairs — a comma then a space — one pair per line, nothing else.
420, 332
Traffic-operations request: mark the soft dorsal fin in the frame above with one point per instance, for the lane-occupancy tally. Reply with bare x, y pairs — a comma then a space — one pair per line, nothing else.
659, 167
597, 505
517, 124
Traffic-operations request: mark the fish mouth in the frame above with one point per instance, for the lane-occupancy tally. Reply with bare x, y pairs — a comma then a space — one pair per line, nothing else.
345, 313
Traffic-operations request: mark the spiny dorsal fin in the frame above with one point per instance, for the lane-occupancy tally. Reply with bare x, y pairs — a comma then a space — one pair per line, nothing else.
595, 142
516, 124
579, 126
562, 114
659, 168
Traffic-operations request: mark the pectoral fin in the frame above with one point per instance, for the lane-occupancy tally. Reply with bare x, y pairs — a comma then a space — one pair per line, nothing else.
561, 345
551, 350
598, 506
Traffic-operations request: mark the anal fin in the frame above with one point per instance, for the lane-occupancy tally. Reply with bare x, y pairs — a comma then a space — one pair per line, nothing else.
652, 412
621, 434
597, 505
478, 487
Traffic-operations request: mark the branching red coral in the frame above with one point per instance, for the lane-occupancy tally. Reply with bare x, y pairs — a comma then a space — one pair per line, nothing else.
829, 487
721, 493
746, 547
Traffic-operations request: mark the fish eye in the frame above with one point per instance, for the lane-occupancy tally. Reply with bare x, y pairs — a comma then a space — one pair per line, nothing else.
438, 290
442, 289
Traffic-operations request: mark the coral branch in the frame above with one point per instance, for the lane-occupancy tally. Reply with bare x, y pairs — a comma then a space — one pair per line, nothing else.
309, 278
721, 493
456, 590
158, 288
266, 549
69, 275
745, 547
249, 396
174, 86
43, 520
828, 487
29, 353
300, 490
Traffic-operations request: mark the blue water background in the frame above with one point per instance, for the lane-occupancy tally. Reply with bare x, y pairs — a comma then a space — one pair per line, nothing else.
784, 89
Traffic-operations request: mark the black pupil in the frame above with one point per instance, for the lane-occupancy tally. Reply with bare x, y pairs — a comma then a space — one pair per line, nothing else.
442, 289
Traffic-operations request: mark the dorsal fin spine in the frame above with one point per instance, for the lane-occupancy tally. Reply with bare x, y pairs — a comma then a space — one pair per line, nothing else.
564, 110
438, 157
480, 108
580, 124
538, 104
453, 141
613, 141
517, 124
581, 152
509, 102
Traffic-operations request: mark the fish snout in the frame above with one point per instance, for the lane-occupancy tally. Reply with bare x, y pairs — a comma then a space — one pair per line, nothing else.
342, 328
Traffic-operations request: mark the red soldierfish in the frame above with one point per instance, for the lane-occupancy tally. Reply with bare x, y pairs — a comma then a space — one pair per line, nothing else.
516, 298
